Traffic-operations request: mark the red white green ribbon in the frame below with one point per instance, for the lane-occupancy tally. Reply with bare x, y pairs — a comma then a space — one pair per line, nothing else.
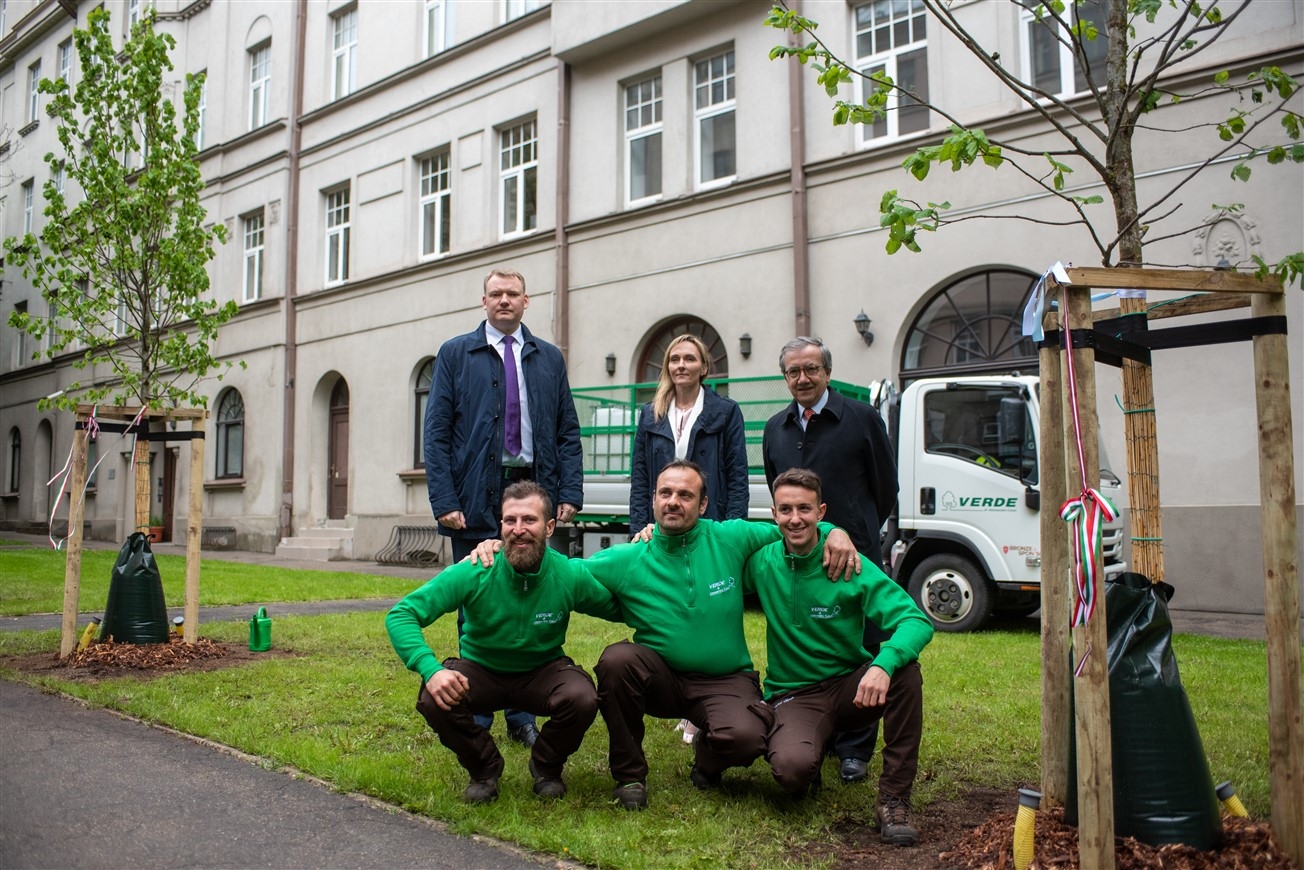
1087, 515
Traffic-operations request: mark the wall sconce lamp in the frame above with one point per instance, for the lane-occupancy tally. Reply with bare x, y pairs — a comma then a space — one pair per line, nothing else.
611, 365
745, 345
862, 322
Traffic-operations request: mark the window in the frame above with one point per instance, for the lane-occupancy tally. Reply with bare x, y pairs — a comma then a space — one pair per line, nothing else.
643, 139
973, 325
134, 10
436, 204
29, 204
337, 236
121, 321
15, 461
713, 107
230, 434
56, 176
891, 39
202, 111
92, 461
436, 26
424, 379
513, 9
519, 168
20, 346
253, 257
33, 92
344, 48
1049, 61
52, 318
260, 81
65, 60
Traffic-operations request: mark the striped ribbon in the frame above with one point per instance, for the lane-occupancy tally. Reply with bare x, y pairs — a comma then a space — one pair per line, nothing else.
1087, 514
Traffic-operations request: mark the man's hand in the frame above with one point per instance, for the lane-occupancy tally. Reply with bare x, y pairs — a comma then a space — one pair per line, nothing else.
566, 512
447, 688
452, 520
872, 691
643, 535
483, 554
841, 560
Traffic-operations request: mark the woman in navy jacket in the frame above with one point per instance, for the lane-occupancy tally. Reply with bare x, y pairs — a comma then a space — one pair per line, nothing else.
687, 420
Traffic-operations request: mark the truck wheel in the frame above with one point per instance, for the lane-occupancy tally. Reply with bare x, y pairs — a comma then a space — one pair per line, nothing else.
952, 591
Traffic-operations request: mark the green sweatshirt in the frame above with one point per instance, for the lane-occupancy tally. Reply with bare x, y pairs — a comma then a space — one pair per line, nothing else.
515, 622
682, 594
815, 629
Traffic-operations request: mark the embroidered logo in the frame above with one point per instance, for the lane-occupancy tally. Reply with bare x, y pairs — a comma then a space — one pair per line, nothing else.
820, 612
720, 587
548, 618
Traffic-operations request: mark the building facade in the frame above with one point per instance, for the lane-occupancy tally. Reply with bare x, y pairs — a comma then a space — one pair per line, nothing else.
649, 169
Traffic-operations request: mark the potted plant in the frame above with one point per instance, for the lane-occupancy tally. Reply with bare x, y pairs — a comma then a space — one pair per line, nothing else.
155, 529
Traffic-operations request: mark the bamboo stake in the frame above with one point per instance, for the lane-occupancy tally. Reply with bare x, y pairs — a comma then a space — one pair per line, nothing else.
194, 530
1090, 641
1055, 605
1281, 582
72, 565
142, 480
1142, 460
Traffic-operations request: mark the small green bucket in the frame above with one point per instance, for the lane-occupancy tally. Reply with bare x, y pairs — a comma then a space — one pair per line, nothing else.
260, 631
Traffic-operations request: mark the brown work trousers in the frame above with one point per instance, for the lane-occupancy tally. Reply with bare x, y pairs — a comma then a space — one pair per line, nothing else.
633, 680
807, 718
560, 690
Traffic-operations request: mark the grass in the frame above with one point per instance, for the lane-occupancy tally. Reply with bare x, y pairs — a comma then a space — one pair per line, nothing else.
342, 709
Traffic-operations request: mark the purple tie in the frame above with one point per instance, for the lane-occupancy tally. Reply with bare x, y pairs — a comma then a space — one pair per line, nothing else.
512, 433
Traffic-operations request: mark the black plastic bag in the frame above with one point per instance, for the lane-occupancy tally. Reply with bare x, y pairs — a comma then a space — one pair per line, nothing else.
137, 611
1163, 792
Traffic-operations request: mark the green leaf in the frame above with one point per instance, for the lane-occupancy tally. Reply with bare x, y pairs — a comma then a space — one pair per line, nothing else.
1220, 78
1241, 172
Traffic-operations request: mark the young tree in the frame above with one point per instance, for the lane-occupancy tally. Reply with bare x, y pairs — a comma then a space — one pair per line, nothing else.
121, 258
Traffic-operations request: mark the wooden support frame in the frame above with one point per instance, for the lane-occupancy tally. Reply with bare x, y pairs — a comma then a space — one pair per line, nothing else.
197, 418
1280, 545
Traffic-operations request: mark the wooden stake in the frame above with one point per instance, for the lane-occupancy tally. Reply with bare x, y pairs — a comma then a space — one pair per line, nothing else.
72, 565
1055, 602
194, 531
1142, 460
1281, 582
142, 480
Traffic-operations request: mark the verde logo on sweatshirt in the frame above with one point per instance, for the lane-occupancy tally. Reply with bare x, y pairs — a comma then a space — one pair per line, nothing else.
720, 587
548, 618
818, 611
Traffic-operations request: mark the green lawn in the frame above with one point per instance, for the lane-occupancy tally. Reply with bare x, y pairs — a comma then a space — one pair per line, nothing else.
341, 708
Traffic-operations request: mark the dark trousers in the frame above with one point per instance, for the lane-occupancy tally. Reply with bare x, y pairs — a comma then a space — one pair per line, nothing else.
462, 548
634, 681
560, 690
805, 720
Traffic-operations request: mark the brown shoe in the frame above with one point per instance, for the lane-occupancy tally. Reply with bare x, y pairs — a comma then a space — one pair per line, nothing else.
630, 795
481, 791
894, 826
547, 786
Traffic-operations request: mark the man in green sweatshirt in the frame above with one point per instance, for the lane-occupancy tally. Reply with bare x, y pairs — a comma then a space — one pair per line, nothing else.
517, 612
819, 678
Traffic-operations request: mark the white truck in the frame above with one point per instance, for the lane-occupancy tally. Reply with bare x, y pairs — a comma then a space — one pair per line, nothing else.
965, 539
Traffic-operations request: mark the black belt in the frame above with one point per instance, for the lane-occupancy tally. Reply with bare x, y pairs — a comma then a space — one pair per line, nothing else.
518, 472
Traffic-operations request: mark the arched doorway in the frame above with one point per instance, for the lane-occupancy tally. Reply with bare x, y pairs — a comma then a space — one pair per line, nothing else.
972, 325
654, 351
337, 450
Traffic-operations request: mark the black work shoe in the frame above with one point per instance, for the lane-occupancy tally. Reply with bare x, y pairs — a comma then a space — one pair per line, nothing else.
481, 791
853, 770
631, 795
894, 826
547, 786
524, 735
703, 780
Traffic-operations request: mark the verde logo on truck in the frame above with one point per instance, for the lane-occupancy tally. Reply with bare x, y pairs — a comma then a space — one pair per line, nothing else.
952, 502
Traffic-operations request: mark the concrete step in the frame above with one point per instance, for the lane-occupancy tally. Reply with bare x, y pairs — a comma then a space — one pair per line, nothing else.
340, 534
318, 544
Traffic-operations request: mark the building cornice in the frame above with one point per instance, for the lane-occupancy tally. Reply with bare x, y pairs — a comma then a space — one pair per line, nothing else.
33, 27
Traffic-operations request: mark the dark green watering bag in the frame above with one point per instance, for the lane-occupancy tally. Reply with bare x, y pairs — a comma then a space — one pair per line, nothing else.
136, 612
1163, 792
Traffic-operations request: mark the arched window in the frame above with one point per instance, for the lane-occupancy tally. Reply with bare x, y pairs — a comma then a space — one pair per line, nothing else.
230, 434
424, 377
654, 351
15, 461
972, 325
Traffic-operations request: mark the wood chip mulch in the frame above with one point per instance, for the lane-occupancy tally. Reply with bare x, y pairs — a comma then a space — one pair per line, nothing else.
1248, 845
176, 653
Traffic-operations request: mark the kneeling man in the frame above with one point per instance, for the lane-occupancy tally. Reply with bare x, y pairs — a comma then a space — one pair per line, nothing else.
517, 612
819, 678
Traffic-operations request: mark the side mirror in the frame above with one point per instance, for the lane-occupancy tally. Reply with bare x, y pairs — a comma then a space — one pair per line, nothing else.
1012, 422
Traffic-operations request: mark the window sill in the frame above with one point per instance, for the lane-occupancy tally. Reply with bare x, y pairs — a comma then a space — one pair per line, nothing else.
31, 125
412, 476
225, 483
9, 496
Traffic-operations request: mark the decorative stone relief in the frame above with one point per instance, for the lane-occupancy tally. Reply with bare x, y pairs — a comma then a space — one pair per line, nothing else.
1226, 236
273, 212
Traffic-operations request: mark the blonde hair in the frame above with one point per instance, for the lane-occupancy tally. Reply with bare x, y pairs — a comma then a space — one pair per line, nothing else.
666, 387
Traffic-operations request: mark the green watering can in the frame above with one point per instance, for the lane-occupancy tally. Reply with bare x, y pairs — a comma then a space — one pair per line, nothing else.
260, 631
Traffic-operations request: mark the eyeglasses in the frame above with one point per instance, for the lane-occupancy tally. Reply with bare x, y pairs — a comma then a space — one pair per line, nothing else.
797, 371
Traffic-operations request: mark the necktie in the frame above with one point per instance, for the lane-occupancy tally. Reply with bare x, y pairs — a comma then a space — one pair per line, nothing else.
806, 414
512, 421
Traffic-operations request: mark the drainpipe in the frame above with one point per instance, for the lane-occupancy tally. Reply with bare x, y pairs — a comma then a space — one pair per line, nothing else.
800, 230
561, 308
292, 276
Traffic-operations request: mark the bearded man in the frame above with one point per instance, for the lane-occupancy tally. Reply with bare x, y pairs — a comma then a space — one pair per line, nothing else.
516, 615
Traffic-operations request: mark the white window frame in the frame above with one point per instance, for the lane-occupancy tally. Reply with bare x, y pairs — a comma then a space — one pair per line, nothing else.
436, 17
64, 59
120, 320
202, 110
518, 165
254, 232
435, 208
338, 232
513, 9
57, 176
29, 204
713, 97
344, 52
33, 91
260, 84
642, 122
20, 346
887, 59
1067, 63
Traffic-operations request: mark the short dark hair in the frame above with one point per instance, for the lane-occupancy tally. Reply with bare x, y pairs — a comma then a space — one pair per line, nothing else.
685, 465
525, 489
802, 477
